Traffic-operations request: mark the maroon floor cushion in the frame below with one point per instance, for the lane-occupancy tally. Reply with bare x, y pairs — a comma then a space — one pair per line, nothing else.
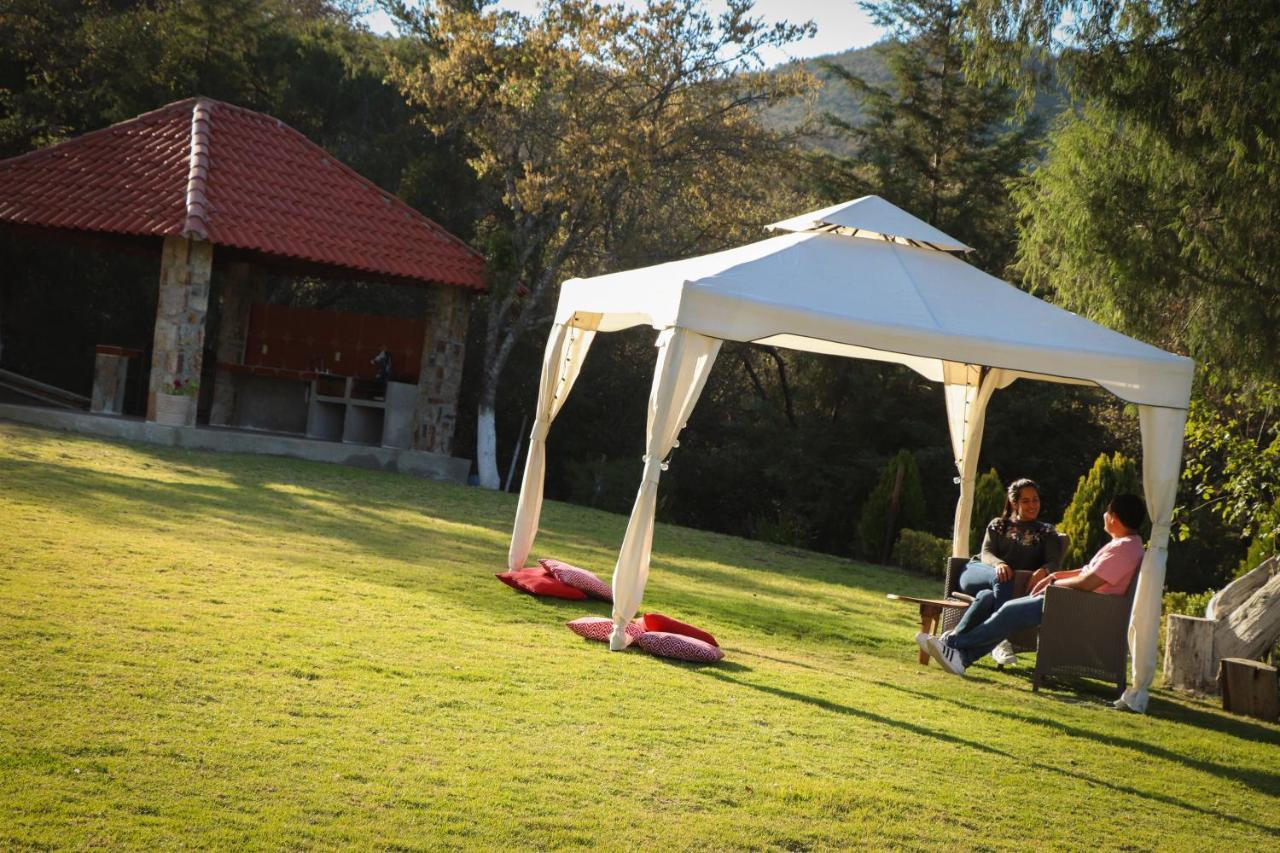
678, 646
578, 578
658, 622
599, 628
539, 581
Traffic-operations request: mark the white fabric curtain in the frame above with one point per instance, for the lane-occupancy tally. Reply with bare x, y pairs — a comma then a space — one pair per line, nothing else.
684, 362
968, 389
1162, 431
561, 362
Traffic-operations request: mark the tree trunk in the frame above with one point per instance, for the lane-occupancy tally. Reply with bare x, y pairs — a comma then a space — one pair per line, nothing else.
1189, 663
1250, 630
1250, 688
487, 447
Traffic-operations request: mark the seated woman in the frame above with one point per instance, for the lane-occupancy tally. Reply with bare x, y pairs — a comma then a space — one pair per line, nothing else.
1017, 541
1109, 573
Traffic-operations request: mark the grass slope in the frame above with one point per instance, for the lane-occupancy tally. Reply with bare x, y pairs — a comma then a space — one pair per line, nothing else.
245, 652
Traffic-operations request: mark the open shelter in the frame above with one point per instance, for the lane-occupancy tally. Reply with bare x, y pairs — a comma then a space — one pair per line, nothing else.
863, 279
199, 174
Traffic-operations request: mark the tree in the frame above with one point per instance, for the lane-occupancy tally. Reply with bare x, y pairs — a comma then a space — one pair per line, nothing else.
1155, 210
1109, 476
576, 117
896, 503
931, 141
988, 502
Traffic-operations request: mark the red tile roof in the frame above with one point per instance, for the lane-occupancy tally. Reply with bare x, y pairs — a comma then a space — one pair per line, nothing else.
213, 171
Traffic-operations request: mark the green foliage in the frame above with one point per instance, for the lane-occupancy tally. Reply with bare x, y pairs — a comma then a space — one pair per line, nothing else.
1186, 603
1263, 547
932, 142
922, 552
988, 502
1109, 476
874, 522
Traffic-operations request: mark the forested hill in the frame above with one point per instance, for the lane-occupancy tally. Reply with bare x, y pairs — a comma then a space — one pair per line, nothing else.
834, 97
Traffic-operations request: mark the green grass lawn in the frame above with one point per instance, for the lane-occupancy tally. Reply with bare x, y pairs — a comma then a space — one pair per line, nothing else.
235, 651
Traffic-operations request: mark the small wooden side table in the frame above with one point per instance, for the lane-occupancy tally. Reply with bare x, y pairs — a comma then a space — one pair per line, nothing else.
930, 612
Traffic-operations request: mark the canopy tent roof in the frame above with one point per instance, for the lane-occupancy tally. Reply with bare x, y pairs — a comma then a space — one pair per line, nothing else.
872, 298
236, 178
872, 217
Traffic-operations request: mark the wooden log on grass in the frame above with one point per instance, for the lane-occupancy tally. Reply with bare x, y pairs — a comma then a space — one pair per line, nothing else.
1251, 688
1189, 663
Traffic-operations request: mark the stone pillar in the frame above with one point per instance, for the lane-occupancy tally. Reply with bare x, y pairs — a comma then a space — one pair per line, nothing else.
443, 348
241, 286
185, 270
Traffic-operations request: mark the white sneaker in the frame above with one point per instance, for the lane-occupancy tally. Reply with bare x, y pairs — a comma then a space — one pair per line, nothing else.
921, 640
1004, 654
947, 657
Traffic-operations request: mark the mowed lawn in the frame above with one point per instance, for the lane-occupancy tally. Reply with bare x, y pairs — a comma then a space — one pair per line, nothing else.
247, 652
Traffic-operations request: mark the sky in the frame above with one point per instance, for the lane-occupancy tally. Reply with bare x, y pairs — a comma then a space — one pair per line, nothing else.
841, 24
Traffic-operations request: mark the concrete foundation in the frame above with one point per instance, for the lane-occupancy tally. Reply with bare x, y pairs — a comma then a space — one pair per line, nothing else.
418, 463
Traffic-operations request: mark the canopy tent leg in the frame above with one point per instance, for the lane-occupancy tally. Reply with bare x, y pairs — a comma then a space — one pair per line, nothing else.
1162, 432
684, 362
562, 360
968, 389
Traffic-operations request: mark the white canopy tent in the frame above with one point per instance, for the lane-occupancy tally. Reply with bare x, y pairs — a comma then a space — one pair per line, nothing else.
862, 279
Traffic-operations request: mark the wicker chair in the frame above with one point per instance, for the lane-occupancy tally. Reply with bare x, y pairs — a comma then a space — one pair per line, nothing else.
1022, 641
1085, 634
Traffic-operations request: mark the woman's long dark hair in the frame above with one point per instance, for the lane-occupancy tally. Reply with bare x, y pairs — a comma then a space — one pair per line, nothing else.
1011, 499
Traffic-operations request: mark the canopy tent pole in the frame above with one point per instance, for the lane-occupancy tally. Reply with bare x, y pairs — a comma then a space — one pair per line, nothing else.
968, 389
1162, 432
684, 362
567, 347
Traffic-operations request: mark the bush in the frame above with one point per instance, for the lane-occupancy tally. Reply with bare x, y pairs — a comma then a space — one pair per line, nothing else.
874, 522
1263, 546
922, 552
1110, 476
1186, 603
988, 502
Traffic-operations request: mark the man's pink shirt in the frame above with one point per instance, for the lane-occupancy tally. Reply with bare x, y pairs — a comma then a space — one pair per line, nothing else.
1116, 563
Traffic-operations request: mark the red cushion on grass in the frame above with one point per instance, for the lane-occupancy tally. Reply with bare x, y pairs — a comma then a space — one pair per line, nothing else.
577, 578
599, 628
658, 622
664, 644
539, 581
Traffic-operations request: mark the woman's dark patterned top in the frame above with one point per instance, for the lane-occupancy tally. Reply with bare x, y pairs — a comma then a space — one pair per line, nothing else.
1024, 545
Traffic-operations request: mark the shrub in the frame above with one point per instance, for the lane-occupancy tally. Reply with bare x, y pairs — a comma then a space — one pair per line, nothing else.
922, 552
1186, 603
1110, 476
988, 502
874, 522
1263, 546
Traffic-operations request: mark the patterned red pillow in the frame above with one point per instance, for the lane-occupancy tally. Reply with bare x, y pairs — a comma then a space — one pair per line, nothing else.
667, 645
577, 578
658, 622
539, 581
599, 628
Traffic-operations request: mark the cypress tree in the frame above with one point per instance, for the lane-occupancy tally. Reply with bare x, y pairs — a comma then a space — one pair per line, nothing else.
1109, 476
878, 525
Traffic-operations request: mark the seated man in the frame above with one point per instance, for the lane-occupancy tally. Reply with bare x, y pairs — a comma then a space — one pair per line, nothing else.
1110, 572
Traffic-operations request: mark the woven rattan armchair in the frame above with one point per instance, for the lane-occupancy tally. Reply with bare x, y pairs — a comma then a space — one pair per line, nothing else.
1084, 634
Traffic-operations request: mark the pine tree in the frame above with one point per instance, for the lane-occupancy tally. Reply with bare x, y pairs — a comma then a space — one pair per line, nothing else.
879, 525
988, 502
1110, 476
931, 142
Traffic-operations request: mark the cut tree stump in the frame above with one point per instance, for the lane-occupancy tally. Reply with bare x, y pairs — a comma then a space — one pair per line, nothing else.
1250, 687
1189, 663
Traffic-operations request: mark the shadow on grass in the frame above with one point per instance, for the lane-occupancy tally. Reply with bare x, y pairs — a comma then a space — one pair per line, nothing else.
1259, 780
923, 731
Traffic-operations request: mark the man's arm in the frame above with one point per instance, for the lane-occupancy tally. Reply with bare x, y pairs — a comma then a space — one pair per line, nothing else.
1071, 580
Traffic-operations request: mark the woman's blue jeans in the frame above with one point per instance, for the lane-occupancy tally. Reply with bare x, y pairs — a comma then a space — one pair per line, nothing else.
978, 576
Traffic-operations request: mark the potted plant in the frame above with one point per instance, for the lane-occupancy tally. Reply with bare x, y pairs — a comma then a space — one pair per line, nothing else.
175, 404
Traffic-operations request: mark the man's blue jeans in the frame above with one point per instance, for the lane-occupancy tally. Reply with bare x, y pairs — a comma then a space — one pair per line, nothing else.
985, 624
978, 576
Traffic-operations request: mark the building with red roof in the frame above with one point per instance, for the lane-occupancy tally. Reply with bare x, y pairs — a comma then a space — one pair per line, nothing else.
200, 177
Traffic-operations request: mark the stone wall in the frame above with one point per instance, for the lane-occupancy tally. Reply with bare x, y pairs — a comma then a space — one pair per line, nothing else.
443, 349
178, 350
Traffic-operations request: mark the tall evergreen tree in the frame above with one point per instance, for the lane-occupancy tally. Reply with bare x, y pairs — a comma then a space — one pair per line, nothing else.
931, 141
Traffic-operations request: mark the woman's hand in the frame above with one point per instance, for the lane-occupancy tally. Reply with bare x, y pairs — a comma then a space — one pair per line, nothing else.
1004, 572
1037, 576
